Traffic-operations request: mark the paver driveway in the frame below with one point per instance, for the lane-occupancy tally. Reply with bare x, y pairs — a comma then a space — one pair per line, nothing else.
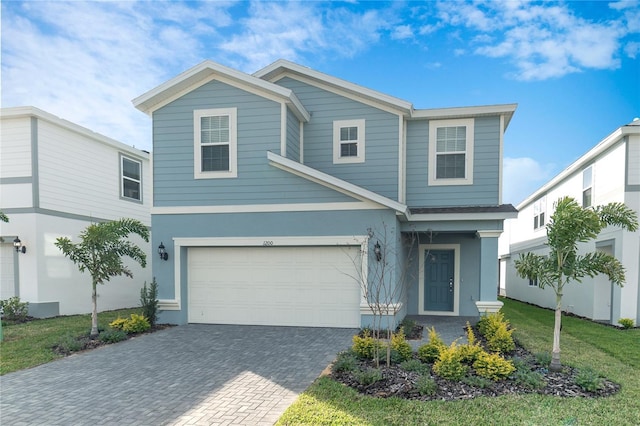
191, 374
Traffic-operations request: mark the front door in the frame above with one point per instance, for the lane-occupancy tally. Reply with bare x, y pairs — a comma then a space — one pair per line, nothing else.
438, 280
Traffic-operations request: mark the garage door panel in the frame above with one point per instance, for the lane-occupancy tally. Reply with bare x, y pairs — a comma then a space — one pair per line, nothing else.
304, 286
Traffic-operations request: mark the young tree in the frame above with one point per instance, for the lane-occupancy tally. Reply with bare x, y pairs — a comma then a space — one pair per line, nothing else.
100, 252
3, 217
571, 224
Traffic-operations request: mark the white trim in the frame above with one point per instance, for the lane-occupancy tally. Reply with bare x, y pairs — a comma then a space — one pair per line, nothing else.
468, 156
338, 125
438, 217
334, 183
271, 241
301, 147
266, 208
232, 113
402, 158
456, 279
467, 112
123, 177
500, 166
283, 129
488, 307
492, 233
365, 309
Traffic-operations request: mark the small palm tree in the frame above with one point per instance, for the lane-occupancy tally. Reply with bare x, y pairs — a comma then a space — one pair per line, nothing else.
571, 224
100, 252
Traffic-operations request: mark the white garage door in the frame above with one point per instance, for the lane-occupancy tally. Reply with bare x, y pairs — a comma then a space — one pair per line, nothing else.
294, 286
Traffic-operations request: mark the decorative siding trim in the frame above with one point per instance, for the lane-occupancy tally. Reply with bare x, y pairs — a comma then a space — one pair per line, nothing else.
456, 279
16, 180
334, 183
268, 241
301, 142
402, 159
493, 233
283, 129
461, 216
266, 208
500, 170
35, 174
56, 213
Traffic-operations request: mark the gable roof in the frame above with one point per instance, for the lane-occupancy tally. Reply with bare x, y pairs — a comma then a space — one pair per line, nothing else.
207, 71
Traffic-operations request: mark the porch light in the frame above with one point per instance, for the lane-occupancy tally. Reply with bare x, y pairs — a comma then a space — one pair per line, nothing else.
18, 245
377, 251
162, 252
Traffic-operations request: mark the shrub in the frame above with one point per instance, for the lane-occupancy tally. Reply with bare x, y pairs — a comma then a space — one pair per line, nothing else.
407, 325
400, 345
415, 366
14, 310
69, 343
543, 358
345, 362
477, 381
500, 340
366, 347
149, 301
429, 352
449, 364
112, 336
529, 379
493, 366
368, 376
470, 351
589, 380
626, 323
489, 323
426, 386
135, 324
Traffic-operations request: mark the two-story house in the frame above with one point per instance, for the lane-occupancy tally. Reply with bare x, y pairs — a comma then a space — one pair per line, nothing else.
56, 178
276, 193
609, 172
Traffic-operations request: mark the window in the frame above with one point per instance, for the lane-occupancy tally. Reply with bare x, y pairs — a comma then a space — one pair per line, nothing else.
539, 210
587, 187
451, 152
533, 282
130, 178
348, 141
215, 148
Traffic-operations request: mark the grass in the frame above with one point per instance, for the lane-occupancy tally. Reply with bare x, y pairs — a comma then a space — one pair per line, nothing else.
614, 353
29, 344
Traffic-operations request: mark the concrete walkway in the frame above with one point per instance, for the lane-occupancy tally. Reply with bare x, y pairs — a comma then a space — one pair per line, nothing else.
449, 328
191, 374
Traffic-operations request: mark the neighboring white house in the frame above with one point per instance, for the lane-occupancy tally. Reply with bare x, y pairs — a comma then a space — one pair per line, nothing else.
55, 179
610, 172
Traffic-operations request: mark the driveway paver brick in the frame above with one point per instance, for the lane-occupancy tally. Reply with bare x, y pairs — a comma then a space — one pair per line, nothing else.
191, 374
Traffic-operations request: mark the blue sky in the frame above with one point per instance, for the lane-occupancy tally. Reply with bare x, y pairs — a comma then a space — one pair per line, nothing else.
572, 67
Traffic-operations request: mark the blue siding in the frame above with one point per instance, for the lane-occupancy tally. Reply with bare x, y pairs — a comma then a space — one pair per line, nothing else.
485, 188
293, 136
379, 172
258, 132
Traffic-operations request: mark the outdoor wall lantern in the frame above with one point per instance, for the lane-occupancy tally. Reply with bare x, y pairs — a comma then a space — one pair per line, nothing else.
18, 245
162, 252
377, 251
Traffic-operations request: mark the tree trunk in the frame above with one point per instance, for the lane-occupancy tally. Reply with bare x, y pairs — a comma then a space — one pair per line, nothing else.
94, 311
555, 355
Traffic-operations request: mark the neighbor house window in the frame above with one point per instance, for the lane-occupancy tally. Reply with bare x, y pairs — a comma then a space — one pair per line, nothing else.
451, 152
539, 210
130, 178
587, 187
348, 141
533, 282
215, 143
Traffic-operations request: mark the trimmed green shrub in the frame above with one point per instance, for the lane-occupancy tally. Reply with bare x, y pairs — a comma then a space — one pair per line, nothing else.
529, 379
490, 322
543, 358
407, 325
501, 340
589, 380
470, 351
426, 386
149, 301
493, 366
345, 362
429, 352
366, 347
400, 345
415, 366
626, 323
135, 324
69, 343
368, 376
112, 336
449, 364
477, 382
14, 310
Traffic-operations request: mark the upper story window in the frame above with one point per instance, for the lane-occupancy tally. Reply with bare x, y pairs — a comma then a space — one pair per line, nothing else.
451, 152
130, 178
215, 143
533, 282
348, 141
587, 187
539, 210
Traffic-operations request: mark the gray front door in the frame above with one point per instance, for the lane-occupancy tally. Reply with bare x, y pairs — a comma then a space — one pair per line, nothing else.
438, 280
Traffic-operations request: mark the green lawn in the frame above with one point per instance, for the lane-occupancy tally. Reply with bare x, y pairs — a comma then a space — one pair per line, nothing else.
29, 344
614, 353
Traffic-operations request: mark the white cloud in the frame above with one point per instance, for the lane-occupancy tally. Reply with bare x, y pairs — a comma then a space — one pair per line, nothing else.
632, 49
402, 32
522, 176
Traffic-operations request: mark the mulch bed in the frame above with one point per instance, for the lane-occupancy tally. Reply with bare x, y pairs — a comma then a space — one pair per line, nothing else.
397, 382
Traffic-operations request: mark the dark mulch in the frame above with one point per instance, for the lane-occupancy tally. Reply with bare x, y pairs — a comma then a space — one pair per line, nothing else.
397, 382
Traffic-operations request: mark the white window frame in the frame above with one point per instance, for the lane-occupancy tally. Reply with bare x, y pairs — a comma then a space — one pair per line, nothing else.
360, 142
123, 178
232, 113
533, 282
588, 186
540, 213
433, 127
